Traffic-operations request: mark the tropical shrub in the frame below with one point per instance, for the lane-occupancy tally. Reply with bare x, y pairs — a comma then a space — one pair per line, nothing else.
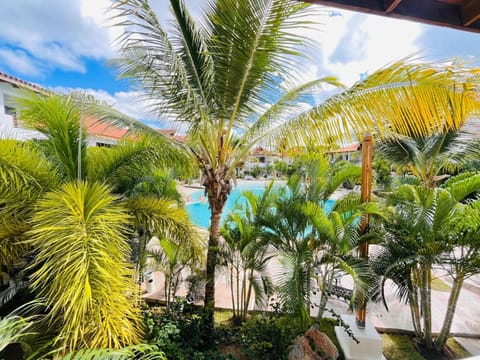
269, 338
180, 333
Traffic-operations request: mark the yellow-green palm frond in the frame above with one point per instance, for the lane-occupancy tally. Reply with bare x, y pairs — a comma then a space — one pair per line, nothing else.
25, 174
161, 216
407, 97
14, 329
140, 352
79, 233
125, 165
58, 118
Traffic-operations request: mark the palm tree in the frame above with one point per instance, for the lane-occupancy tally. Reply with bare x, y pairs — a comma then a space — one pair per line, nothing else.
234, 75
415, 241
337, 236
288, 226
430, 157
245, 254
78, 231
462, 260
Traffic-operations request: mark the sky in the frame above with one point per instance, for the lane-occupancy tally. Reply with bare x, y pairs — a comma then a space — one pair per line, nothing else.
66, 45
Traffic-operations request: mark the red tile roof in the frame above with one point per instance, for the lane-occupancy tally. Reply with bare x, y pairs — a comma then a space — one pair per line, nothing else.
262, 151
96, 127
171, 133
346, 149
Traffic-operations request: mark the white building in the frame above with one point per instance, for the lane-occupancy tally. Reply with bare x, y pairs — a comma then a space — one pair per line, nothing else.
260, 157
10, 87
98, 133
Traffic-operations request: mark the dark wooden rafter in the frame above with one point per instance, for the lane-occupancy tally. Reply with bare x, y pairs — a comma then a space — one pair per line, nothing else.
457, 14
470, 12
390, 5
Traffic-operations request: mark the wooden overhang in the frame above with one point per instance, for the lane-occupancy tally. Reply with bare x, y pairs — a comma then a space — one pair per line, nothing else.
456, 14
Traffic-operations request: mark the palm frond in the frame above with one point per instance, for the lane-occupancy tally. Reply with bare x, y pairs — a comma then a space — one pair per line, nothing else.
151, 56
14, 329
162, 217
79, 232
463, 185
125, 165
57, 117
406, 97
140, 352
25, 174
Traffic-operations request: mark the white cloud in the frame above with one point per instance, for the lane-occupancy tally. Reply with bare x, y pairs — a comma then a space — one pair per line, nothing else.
20, 61
355, 43
127, 102
53, 33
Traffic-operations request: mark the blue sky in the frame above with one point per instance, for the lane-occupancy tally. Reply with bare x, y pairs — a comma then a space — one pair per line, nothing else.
66, 45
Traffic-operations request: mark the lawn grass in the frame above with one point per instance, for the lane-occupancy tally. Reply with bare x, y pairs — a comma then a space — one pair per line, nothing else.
399, 347
457, 350
223, 317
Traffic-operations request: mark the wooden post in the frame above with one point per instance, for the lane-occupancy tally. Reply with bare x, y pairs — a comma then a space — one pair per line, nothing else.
367, 160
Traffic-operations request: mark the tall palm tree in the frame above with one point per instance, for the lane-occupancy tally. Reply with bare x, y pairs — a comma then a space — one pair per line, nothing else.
462, 260
288, 226
234, 75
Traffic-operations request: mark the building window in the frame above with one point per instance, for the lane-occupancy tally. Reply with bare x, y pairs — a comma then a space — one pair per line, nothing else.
100, 144
9, 110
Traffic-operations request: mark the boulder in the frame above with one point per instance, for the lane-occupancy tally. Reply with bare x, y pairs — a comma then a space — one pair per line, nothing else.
301, 350
314, 345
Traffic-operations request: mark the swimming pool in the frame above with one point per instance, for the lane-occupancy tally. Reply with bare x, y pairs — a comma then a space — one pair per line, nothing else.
197, 205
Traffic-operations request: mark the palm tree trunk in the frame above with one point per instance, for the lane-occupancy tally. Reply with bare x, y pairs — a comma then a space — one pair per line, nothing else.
426, 304
452, 305
232, 293
212, 253
325, 287
415, 313
249, 293
244, 291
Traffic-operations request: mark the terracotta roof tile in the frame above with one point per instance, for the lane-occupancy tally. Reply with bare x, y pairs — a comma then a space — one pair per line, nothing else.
348, 148
98, 128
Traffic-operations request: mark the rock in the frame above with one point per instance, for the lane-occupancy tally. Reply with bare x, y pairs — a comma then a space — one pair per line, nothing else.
301, 350
323, 344
314, 345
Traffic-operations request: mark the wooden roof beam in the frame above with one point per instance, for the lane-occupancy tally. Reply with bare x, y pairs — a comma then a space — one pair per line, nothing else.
470, 12
390, 5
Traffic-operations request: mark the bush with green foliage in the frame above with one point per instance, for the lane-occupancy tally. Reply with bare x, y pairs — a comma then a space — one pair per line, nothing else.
180, 333
383, 171
268, 338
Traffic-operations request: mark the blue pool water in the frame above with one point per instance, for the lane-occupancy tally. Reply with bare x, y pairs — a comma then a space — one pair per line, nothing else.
197, 206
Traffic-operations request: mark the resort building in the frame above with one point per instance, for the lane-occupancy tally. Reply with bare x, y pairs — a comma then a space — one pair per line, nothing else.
350, 153
99, 133
260, 157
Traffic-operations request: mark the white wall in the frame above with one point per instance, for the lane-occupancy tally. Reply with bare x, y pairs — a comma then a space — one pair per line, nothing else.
7, 127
